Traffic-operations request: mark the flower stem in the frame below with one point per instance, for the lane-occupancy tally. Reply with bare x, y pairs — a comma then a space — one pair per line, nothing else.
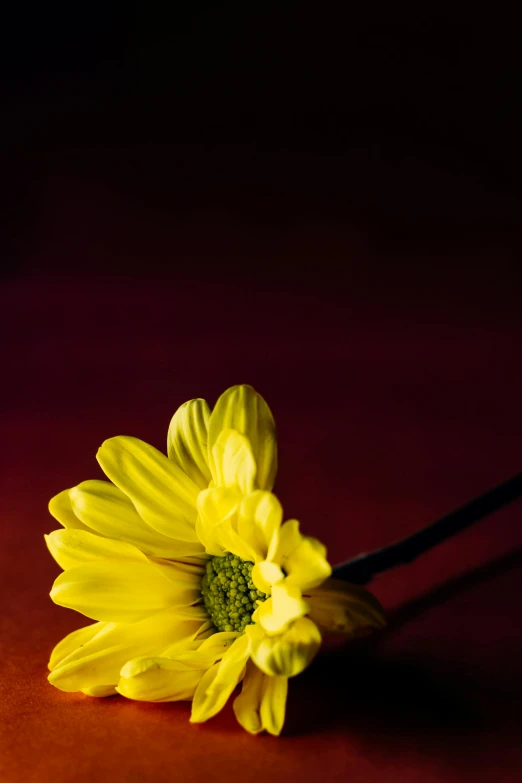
362, 569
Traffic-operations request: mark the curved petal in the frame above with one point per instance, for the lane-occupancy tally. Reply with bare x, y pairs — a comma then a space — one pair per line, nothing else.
61, 509
187, 441
173, 678
260, 517
190, 644
247, 706
107, 510
340, 607
287, 654
164, 496
303, 558
265, 575
262, 701
100, 691
215, 506
219, 681
120, 592
282, 608
234, 464
217, 523
158, 679
273, 704
243, 409
72, 642
73, 547
98, 662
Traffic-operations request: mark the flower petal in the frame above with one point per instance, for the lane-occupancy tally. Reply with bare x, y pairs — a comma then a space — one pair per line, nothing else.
107, 510
98, 662
260, 517
72, 642
219, 681
243, 409
158, 679
303, 558
285, 605
234, 464
247, 706
215, 506
287, 654
266, 574
217, 523
173, 678
187, 441
273, 704
340, 607
73, 547
120, 592
100, 691
61, 509
262, 701
164, 496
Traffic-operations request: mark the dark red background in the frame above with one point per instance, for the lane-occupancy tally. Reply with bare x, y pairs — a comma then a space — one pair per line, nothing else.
332, 214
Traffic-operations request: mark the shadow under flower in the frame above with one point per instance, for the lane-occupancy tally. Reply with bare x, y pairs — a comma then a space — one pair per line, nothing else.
398, 704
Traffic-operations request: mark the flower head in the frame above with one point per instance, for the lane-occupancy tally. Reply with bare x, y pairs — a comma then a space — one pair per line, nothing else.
195, 582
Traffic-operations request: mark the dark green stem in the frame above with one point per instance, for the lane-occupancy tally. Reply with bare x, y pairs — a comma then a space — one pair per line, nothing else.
362, 569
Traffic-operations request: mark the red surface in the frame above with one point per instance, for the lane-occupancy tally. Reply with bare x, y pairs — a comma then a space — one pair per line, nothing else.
397, 394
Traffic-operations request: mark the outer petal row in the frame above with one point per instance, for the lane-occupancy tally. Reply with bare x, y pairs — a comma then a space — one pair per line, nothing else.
126, 591
164, 496
94, 656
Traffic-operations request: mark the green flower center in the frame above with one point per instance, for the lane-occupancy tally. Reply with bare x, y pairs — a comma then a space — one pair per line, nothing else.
229, 594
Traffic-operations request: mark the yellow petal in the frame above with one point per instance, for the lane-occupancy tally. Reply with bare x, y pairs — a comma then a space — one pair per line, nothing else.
217, 523
215, 506
98, 662
164, 496
262, 701
61, 509
260, 517
120, 592
284, 606
247, 706
243, 409
234, 464
219, 681
73, 547
287, 654
72, 642
187, 441
266, 574
232, 541
100, 691
302, 558
339, 607
273, 704
158, 679
172, 678
209, 646
107, 510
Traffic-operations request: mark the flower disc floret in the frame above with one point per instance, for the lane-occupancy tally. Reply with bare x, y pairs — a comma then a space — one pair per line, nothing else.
229, 593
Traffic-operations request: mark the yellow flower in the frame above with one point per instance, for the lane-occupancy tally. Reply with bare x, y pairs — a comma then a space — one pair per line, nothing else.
193, 579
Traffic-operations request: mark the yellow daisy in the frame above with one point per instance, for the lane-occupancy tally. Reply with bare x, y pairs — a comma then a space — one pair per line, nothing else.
194, 581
